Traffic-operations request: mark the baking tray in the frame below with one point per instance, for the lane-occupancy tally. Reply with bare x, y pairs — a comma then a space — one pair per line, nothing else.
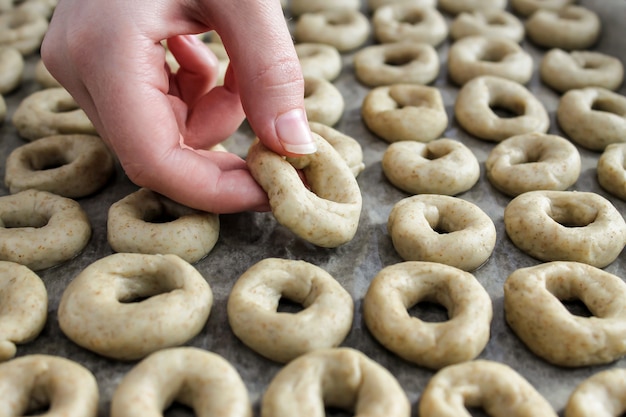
247, 238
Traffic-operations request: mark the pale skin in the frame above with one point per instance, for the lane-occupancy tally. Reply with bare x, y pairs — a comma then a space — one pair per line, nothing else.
108, 55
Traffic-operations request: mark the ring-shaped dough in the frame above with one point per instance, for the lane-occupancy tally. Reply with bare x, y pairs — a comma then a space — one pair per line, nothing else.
491, 386
533, 307
32, 382
348, 147
566, 226
528, 7
533, 161
23, 29
201, 380
600, 395
473, 56
569, 28
495, 23
593, 117
443, 229
393, 112
23, 307
341, 377
397, 288
40, 229
344, 28
95, 307
149, 223
11, 69
299, 7
323, 101
477, 99
373, 5
319, 60
72, 166
409, 22
396, 63
443, 166
328, 214
324, 321
454, 7
611, 169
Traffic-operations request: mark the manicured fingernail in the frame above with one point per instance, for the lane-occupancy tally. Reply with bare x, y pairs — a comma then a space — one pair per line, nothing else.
294, 133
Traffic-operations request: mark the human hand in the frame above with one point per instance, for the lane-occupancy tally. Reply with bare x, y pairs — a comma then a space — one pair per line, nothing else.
109, 56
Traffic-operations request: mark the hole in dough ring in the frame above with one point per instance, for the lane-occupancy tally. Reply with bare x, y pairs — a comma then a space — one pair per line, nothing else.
324, 321
399, 287
443, 229
344, 28
566, 226
40, 229
328, 214
199, 379
349, 148
611, 169
569, 28
149, 223
23, 307
492, 386
409, 22
341, 377
319, 60
495, 23
323, 101
533, 308
96, 305
600, 394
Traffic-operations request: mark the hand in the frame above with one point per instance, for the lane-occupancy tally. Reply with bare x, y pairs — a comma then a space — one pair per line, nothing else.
109, 56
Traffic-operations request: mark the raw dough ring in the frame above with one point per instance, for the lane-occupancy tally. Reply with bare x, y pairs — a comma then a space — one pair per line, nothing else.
566, 226
563, 70
135, 225
199, 379
570, 28
396, 63
601, 394
32, 382
468, 235
72, 166
324, 321
454, 7
95, 307
473, 56
528, 7
409, 22
373, 5
299, 7
344, 28
40, 229
533, 307
492, 386
443, 166
319, 60
348, 147
328, 214
477, 98
495, 23
23, 307
22, 28
341, 377
610, 170
399, 287
11, 69
49, 112
593, 117
323, 101
533, 161
392, 112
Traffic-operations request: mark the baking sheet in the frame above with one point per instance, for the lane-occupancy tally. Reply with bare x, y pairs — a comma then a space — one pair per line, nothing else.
247, 238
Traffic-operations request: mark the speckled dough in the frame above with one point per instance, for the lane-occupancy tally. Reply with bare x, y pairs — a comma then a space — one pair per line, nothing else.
72, 166
299, 7
409, 22
528, 7
443, 166
60, 386
319, 60
600, 395
454, 7
349, 148
328, 214
23, 307
341, 377
324, 321
22, 28
392, 112
196, 378
40, 229
134, 226
593, 117
95, 308
11, 69
398, 287
611, 169
497, 23
344, 28
475, 103
533, 306
566, 226
487, 385
569, 28
440, 228
51, 111
323, 101
534, 161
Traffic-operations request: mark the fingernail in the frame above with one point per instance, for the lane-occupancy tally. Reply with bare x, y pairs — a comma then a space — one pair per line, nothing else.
294, 132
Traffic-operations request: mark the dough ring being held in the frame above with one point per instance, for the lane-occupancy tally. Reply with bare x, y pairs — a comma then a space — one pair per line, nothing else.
399, 287
95, 307
533, 306
611, 169
566, 226
348, 147
409, 22
319, 60
196, 378
23, 307
601, 394
496, 23
344, 28
443, 166
328, 214
149, 223
323, 101
324, 321
570, 28
341, 377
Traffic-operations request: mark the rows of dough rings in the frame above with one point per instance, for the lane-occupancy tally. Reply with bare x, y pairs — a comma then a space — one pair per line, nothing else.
409, 22
497, 23
344, 28
323, 101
